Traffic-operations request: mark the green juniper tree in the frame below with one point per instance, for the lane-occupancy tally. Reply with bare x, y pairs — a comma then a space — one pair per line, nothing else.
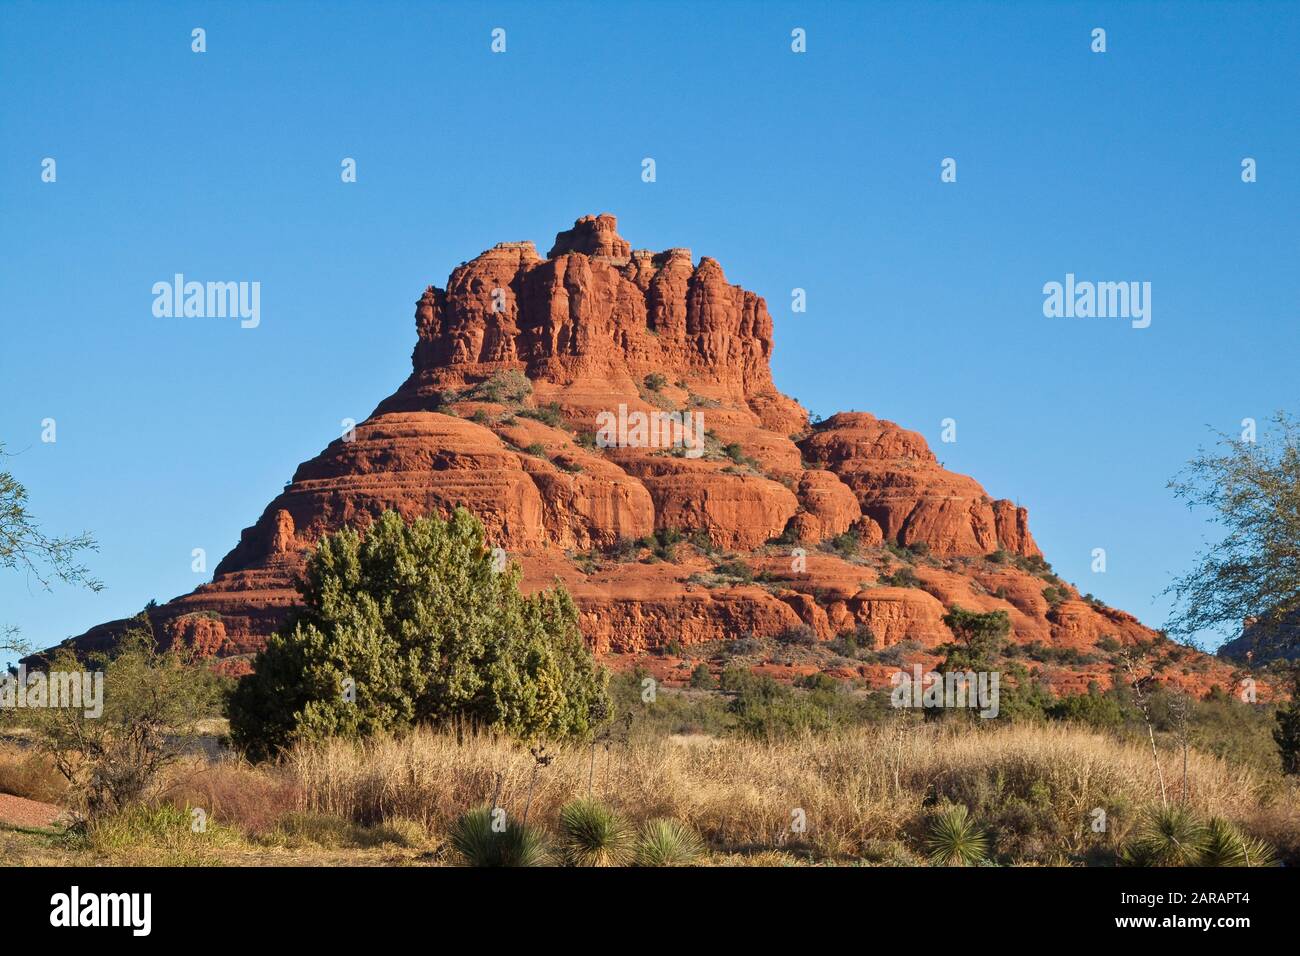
980, 639
414, 624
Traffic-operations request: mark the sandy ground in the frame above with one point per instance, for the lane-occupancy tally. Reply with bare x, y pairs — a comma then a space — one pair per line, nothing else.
19, 812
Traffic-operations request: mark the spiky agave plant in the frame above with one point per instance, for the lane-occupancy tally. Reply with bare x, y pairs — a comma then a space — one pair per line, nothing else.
512, 844
595, 835
1225, 845
954, 839
1167, 836
666, 842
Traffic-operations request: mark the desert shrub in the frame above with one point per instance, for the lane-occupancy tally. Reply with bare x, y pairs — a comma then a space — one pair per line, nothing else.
667, 843
442, 402
549, 414
800, 634
673, 711
504, 388
744, 645
625, 549
536, 449
701, 679
1166, 836
817, 681
768, 710
1054, 595
152, 703
655, 381
896, 655
737, 677
900, 551
903, 577
1225, 845
857, 642
1226, 727
699, 538
413, 624
513, 843
845, 545
954, 839
1092, 709
737, 569
1034, 564
1173, 836
592, 834
1022, 697
1047, 654
663, 543
1023, 802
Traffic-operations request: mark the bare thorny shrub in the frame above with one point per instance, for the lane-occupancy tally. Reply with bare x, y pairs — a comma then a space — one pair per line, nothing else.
152, 703
40, 557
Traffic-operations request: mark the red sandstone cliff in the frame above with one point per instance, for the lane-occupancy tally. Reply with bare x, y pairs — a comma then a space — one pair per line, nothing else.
515, 361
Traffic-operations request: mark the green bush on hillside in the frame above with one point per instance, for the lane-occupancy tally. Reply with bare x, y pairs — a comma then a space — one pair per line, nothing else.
412, 624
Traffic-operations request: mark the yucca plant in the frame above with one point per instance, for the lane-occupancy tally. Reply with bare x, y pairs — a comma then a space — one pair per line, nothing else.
955, 839
1225, 845
667, 843
478, 844
1167, 836
595, 835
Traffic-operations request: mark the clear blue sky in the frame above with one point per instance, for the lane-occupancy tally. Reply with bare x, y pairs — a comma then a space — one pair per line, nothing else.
818, 170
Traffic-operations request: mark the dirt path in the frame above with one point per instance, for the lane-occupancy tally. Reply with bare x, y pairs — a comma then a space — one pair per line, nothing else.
19, 812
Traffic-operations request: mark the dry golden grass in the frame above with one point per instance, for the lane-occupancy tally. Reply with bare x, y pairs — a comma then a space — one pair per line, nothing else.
865, 794
255, 799
25, 773
855, 789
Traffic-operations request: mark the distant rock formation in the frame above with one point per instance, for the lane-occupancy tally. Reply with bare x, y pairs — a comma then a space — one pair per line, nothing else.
1263, 641
514, 361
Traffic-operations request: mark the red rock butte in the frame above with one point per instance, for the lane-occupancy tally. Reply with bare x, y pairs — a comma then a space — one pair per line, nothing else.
595, 325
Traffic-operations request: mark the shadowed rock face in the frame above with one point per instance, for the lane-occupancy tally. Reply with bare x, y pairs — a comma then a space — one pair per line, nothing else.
598, 328
1262, 641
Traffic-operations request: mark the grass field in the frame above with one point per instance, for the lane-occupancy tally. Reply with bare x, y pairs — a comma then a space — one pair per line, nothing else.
863, 795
